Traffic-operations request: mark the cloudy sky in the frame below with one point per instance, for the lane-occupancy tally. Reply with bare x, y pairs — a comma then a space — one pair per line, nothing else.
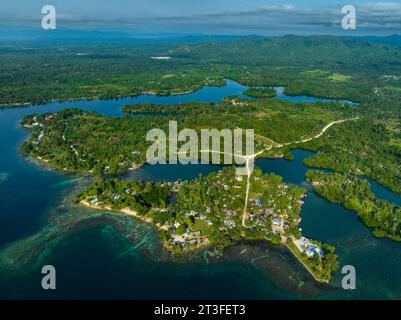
266, 17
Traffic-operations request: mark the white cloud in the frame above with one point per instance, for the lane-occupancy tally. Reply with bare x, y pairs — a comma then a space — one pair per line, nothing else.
288, 7
273, 7
377, 15
383, 6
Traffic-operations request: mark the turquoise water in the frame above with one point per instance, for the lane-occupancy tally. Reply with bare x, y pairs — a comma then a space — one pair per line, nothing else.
99, 255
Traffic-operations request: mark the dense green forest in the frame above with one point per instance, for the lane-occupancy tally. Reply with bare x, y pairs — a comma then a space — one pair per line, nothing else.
355, 194
260, 92
325, 66
362, 148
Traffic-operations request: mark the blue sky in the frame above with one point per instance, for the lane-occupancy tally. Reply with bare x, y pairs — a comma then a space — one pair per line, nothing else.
267, 17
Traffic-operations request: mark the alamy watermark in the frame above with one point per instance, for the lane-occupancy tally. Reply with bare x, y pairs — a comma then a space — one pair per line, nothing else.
49, 280
49, 20
166, 149
349, 20
349, 280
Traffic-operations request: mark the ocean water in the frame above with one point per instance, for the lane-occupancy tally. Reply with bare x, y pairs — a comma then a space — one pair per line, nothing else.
106, 255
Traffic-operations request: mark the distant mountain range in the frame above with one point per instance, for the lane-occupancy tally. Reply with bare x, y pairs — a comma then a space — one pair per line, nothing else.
67, 35
8, 34
393, 40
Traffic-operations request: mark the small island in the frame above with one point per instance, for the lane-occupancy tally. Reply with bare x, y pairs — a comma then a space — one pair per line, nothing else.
260, 92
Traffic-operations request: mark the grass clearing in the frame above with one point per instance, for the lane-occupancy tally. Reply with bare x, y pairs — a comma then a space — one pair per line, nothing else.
339, 77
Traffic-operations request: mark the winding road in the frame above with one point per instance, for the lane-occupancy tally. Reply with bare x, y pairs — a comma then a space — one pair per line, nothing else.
274, 144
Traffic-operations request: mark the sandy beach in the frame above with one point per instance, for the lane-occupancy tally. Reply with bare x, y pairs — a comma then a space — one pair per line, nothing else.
126, 211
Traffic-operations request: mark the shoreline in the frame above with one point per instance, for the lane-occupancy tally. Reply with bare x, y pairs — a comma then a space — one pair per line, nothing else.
49, 165
126, 211
46, 162
148, 220
119, 97
310, 271
145, 219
